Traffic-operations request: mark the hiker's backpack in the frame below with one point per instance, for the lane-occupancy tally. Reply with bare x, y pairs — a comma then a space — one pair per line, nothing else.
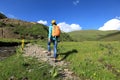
56, 31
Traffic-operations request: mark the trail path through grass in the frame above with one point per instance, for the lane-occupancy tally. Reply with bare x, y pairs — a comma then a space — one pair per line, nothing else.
40, 53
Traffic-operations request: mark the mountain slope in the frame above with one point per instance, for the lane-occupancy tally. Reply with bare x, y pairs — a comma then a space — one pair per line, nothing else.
18, 28
111, 37
93, 35
14, 28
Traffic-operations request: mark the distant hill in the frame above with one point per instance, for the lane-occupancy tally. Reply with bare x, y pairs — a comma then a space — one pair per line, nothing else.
95, 35
114, 36
14, 28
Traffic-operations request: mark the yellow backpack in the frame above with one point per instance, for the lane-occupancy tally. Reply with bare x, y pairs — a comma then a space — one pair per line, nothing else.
56, 31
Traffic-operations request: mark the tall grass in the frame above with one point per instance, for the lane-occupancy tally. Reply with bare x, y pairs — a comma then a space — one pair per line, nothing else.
18, 67
93, 60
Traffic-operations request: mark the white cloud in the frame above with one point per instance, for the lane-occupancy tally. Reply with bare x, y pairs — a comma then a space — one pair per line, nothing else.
69, 27
76, 2
42, 22
113, 24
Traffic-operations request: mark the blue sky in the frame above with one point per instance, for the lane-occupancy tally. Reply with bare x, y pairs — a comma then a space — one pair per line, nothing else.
70, 14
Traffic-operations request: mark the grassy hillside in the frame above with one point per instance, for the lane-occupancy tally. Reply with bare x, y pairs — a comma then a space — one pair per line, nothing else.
18, 67
12, 28
92, 60
111, 36
93, 35
17, 29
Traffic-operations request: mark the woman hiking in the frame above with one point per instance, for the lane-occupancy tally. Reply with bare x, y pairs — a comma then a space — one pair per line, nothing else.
54, 33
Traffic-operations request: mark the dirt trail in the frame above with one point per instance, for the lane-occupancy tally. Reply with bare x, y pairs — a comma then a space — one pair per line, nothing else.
40, 54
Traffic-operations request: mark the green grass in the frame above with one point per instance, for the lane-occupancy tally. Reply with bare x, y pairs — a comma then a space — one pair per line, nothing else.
19, 41
21, 67
32, 30
93, 60
93, 35
9, 40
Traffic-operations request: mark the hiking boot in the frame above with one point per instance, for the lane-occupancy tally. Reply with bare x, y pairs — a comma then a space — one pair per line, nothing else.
55, 60
48, 53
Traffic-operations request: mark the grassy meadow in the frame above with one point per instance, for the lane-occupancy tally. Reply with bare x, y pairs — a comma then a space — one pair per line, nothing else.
18, 67
92, 60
